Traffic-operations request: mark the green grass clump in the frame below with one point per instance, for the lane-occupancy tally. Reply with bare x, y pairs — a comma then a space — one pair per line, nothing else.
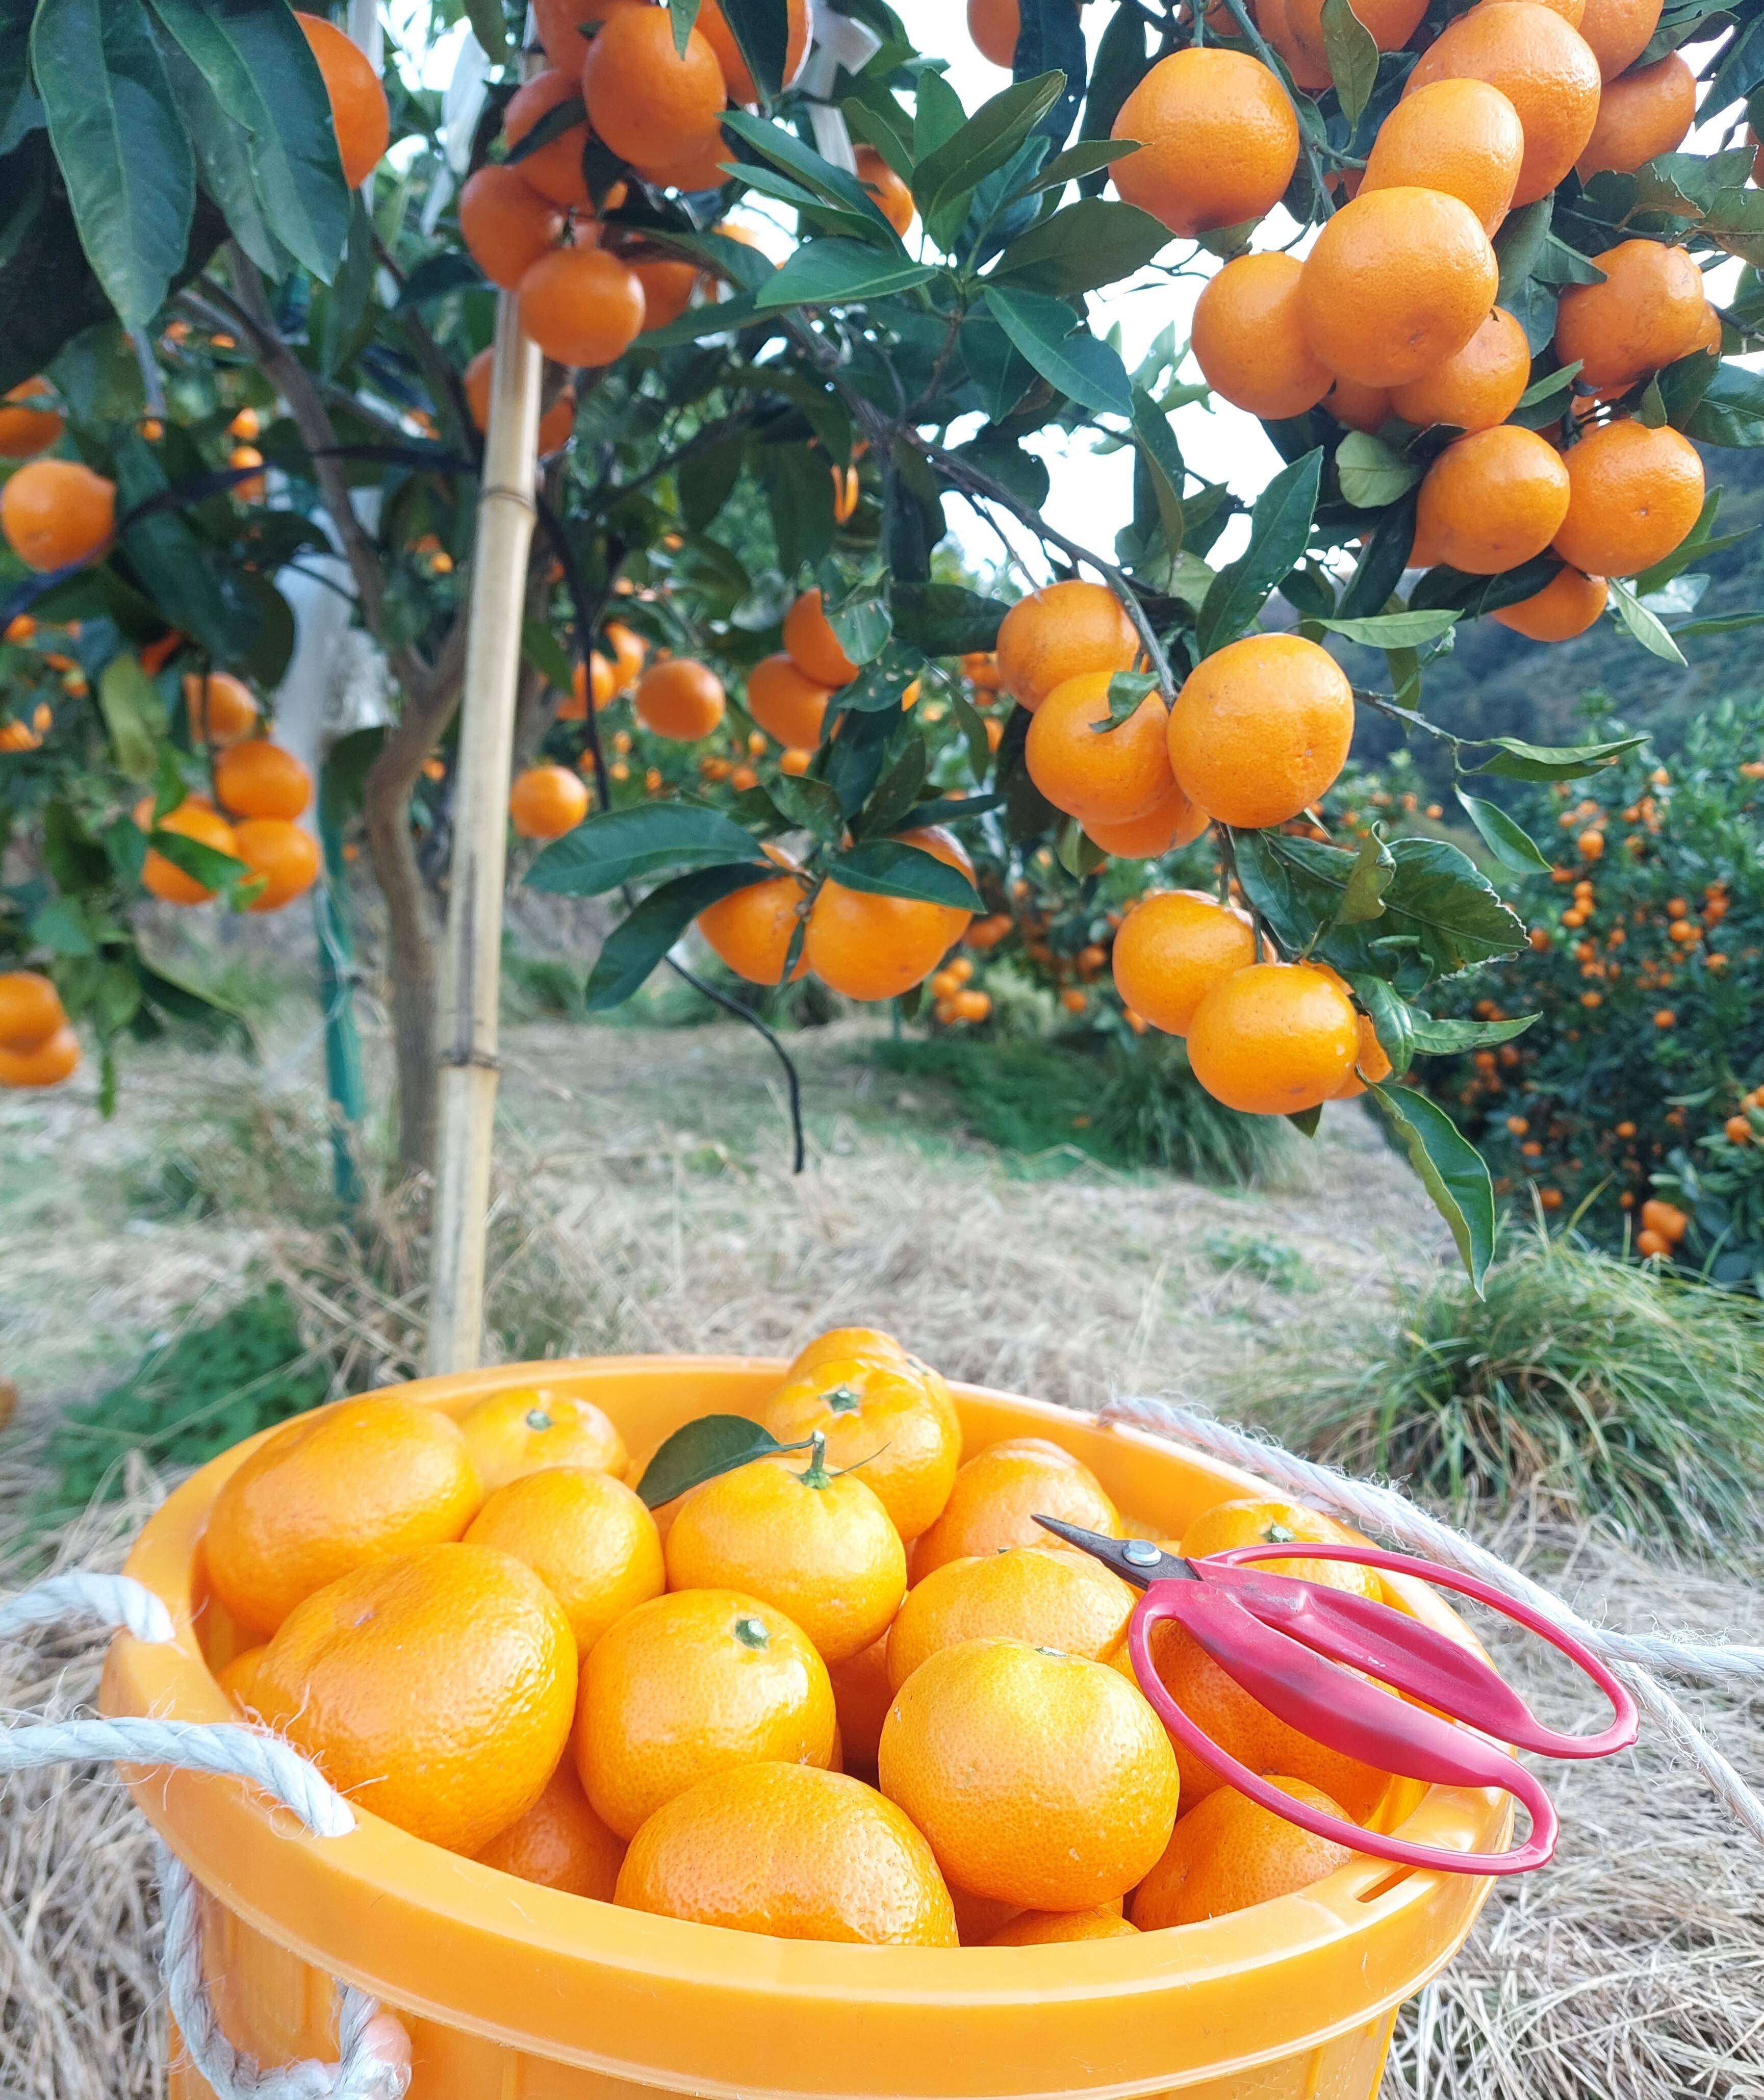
1125, 1108
1608, 1389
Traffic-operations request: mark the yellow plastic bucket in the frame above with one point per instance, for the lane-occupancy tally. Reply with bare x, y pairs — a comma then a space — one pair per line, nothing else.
516, 1992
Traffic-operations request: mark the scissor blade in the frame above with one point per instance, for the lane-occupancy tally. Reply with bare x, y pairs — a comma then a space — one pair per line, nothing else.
1125, 1557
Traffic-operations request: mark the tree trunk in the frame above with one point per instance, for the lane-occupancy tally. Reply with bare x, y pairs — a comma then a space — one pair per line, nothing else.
411, 934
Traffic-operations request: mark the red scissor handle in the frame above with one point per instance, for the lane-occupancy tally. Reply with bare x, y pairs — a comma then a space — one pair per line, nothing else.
1284, 1639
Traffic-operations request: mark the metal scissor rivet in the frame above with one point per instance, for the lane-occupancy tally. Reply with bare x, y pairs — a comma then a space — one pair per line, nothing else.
1141, 1552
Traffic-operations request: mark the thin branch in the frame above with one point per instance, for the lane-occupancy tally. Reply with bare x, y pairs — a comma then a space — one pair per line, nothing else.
444, 382
793, 1084
1314, 166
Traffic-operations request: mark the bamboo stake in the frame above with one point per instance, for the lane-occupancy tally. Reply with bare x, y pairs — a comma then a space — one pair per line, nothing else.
472, 959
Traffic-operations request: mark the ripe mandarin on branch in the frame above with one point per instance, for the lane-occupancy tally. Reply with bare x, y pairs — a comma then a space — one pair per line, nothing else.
25, 429
554, 169
506, 224
1490, 501
47, 1065
1261, 728
680, 698
1617, 32
1648, 310
752, 929
712, 25
1173, 821
581, 306
1059, 631
1633, 493
786, 702
1398, 279
1461, 136
645, 98
561, 25
545, 802
161, 877
1641, 115
55, 512
1476, 387
282, 854
1093, 772
871, 947
1274, 1039
1566, 606
1219, 140
1248, 342
669, 284
220, 708
255, 777
30, 1010
1172, 949
812, 646
993, 27
358, 109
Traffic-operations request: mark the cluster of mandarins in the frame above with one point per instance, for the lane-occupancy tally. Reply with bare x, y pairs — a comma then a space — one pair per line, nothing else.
1390, 317
37, 1046
846, 1690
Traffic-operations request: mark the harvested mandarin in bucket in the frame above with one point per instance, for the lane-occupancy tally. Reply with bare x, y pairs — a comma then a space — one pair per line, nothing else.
330, 1492
1274, 1039
519, 1430
1040, 1779
813, 1543
1000, 1491
1053, 1928
792, 1852
586, 1536
894, 1420
560, 1842
691, 1684
862, 1696
840, 1344
1261, 728
1219, 140
1170, 950
1057, 632
1228, 1852
1262, 1520
437, 1687
1050, 1597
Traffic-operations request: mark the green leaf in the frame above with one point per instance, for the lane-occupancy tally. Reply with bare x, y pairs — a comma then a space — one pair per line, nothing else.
1353, 57
896, 795
713, 1445
811, 806
1077, 852
1373, 872
1370, 474
945, 178
1519, 247
134, 714
121, 149
1120, 63
1127, 692
1514, 760
1723, 623
1081, 367
222, 150
546, 654
832, 272
1087, 157
1553, 383
1394, 630
945, 619
875, 117
1089, 244
1731, 411
891, 868
761, 31
1393, 1018
682, 15
1470, 596
1451, 1169
60, 926
973, 724
1279, 527
798, 495
1306, 1122
833, 219
490, 27
206, 864
638, 943
862, 626
1446, 1039
833, 185
1162, 458
1510, 843
1644, 625
623, 845
938, 114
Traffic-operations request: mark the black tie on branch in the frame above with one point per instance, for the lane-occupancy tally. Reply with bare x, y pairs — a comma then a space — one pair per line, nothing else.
590, 611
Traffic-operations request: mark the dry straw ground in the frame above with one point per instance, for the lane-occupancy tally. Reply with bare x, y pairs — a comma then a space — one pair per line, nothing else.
646, 1207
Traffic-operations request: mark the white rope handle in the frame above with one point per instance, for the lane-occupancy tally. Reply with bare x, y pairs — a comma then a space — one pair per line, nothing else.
375, 2048
1377, 1507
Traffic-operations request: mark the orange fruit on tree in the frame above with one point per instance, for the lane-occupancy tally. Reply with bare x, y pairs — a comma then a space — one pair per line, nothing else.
545, 802
220, 708
713, 25
255, 777
893, 199
527, 1428
1219, 140
358, 109
998, 1494
1266, 1520
893, 1420
1617, 32
1228, 1852
680, 698
1477, 386
862, 1696
1040, 1779
840, 1344
596, 677
1390, 23
505, 224
1174, 821
992, 27
668, 282
644, 98
1544, 67
1051, 1928
1372, 1066
561, 25
284, 855
629, 653
698, 165
55, 512
691, 1684
1247, 341
30, 1010
1641, 114
792, 1852
1461, 136
1396, 281
813, 1543
752, 929
876, 947
1649, 309
1274, 1039
1244, 1729
560, 1842
1633, 494
1365, 408
1170, 950
585, 1535
53, 1060
1095, 773
553, 169
1310, 71
1058, 632
582, 306
330, 1492
437, 1687
26, 430
1049, 1597
786, 702
1261, 728
1491, 500
812, 646
1566, 606
192, 819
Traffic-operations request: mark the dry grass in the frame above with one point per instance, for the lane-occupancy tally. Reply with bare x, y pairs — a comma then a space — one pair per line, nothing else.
646, 1206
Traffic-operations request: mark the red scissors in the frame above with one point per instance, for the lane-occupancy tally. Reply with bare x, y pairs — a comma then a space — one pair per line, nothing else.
1281, 1638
